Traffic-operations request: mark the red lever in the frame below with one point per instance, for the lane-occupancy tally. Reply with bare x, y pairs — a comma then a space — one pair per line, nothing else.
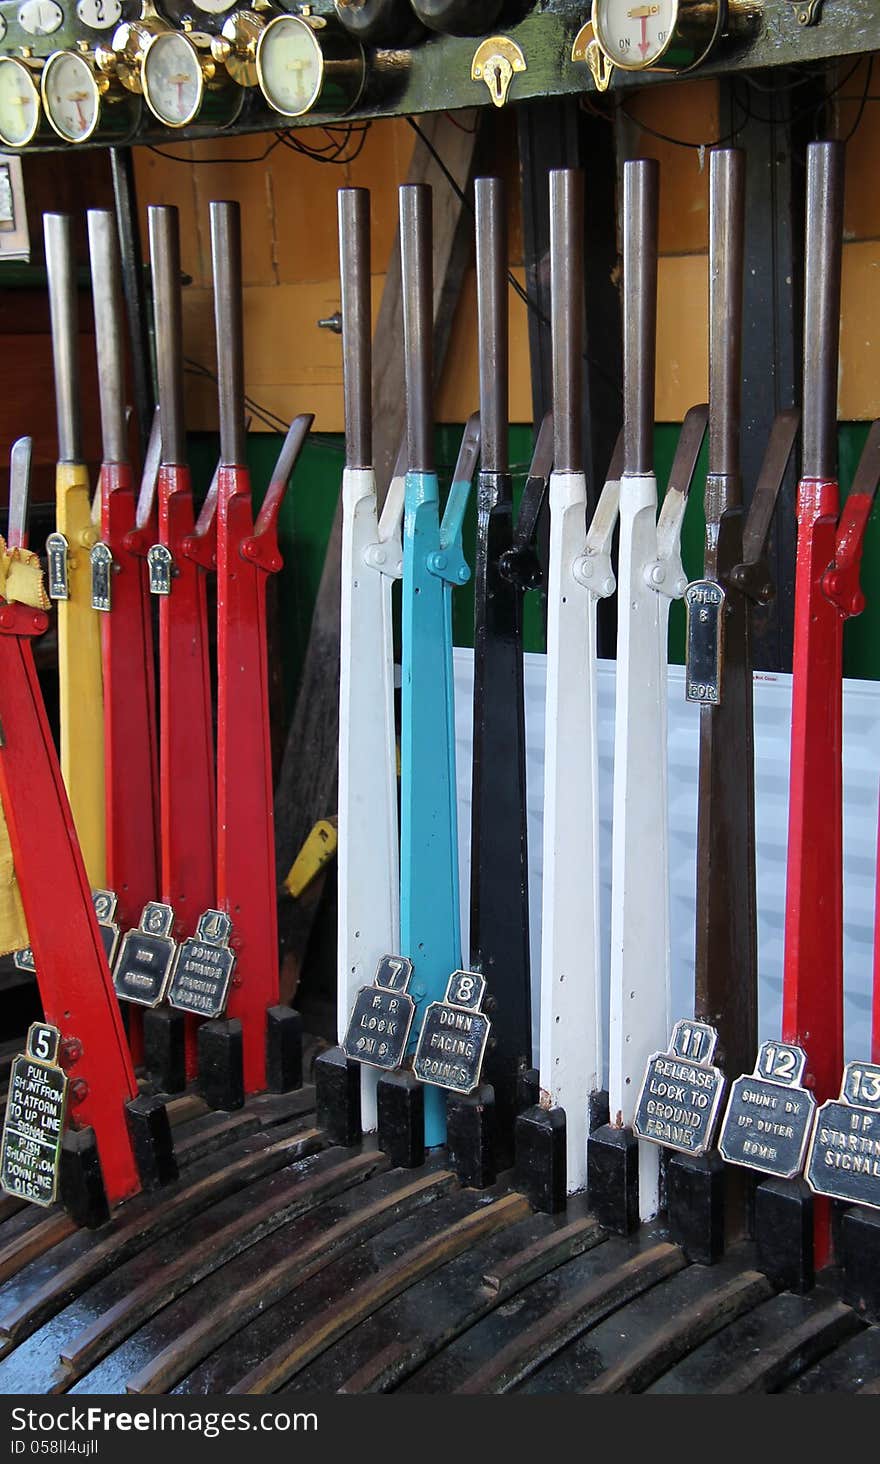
131, 751
72, 972
186, 760
246, 880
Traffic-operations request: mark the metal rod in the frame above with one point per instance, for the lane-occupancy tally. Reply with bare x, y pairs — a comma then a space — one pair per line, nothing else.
567, 314
164, 230
226, 257
107, 307
416, 252
491, 229
824, 251
357, 326
61, 270
726, 245
125, 198
640, 215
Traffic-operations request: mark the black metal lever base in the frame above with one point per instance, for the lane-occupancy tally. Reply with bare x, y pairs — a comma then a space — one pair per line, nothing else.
860, 1260
338, 1097
284, 1050
540, 1169
152, 1140
471, 1136
613, 1178
81, 1183
400, 1106
221, 1063
165, 1049
695, 1193
784, 1233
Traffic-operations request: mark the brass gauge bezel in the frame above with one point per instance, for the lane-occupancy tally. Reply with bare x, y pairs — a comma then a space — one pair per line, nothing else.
162, 37
31, 70
695, 30
103, 87
341, 70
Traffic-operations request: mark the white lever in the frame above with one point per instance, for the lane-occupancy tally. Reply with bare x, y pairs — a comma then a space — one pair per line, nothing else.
368, 848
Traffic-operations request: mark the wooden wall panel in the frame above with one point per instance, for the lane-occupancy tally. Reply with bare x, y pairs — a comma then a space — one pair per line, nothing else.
289, 208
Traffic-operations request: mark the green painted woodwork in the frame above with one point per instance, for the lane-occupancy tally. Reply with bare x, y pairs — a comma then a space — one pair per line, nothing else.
307, 516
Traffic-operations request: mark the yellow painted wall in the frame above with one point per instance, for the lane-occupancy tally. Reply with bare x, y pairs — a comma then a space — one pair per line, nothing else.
290, 258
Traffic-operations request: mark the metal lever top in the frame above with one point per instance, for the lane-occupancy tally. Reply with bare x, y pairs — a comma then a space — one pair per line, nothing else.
822, 269
226, 258
416, 251
168, 320
566, 309
107, 306
354, 259
491, 229
61, 270
640, 225
726, 243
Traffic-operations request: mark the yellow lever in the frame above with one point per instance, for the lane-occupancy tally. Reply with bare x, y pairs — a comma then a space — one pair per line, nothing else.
79, 669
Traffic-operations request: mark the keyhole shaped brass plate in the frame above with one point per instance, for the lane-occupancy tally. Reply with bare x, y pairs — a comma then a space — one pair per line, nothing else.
496, 61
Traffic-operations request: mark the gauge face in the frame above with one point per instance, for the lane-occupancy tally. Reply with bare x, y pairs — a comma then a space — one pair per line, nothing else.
40, 17
633, 35
173, 81
70, 96
214, 7
19, 103
290, 65
99, 14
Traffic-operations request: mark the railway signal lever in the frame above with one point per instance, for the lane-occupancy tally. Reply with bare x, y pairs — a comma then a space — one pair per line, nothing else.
116, 1143
259, 1042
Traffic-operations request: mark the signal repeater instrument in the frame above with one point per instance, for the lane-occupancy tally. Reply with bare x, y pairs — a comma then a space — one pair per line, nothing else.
657, 35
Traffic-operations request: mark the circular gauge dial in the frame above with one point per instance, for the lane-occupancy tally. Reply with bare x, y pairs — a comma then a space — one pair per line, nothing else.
290, 65
70, 96
19, 103
214, 7
172, 77
634, 35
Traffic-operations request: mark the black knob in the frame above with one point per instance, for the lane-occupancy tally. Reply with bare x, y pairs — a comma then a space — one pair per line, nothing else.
458, 17
380, 22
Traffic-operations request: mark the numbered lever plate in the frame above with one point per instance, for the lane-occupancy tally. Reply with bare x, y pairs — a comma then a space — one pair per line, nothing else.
452, 1042
102, 569
145, 957
105, 903
770, 1114
56, 556
378, 1029
844, 1157
681, 1091
203, 968
30, 1149
160, 565
704, 602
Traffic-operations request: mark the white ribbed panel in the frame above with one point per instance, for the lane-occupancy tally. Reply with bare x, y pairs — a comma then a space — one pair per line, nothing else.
861, 742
